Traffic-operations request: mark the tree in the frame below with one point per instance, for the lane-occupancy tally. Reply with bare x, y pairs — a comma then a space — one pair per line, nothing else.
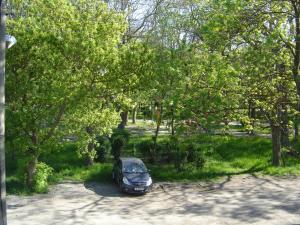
58, 61
138, 15
257, 29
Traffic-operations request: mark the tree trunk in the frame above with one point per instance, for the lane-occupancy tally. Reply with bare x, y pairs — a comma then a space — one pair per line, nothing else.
158, 123
152, 111
296, 123
89, 157
276, 144
296, 62
134, 112
124, 119
284, 138
226, 123
172, 122
252, 116
33, 153
31, 171
156, 133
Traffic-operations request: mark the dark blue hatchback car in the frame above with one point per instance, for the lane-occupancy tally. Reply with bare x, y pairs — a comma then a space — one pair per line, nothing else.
132, 176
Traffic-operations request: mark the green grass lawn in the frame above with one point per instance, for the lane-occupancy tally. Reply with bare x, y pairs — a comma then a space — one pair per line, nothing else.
225, 155
229, 155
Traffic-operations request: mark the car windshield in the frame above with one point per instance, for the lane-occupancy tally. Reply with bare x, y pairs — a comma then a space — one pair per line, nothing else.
134, 167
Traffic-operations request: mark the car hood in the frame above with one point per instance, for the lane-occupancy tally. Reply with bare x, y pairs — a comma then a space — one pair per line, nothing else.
137, 177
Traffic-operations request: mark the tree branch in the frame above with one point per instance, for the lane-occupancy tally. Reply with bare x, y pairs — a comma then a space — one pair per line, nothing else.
57, 119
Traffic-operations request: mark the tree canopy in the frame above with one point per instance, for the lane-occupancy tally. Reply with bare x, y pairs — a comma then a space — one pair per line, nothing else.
80, 64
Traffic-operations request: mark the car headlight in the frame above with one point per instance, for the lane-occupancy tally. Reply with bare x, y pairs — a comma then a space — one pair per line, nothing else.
126, 181
149, 182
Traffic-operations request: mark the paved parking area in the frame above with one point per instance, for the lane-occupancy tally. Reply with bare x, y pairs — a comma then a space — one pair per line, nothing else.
243, 199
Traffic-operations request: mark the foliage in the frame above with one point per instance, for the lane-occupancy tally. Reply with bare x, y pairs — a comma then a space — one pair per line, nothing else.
43, 172
194, 65
117, 145
181, 153
195, 155
100, 122
180, 159
119, 140
103, 148
146, 148
166, 149
188, 154
58, 76
121, 132
224, 155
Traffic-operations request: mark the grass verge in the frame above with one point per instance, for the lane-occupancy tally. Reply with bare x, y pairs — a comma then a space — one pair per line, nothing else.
225, 155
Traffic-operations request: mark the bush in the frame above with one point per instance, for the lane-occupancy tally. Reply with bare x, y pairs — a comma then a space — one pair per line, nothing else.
191, 152
296, 145
168, 148
166, 152
117, 145
102, 148
121, 132
180, 159
119, 139
43, 172
199, 159
195, 155
146, 148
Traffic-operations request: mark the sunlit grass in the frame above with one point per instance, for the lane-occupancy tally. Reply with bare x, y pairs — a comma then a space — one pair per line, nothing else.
96, 172
225, 155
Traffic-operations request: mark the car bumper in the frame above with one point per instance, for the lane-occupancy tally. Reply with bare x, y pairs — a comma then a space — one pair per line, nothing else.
136, 189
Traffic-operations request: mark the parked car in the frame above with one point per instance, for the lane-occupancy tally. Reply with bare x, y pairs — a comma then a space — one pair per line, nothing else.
132, 176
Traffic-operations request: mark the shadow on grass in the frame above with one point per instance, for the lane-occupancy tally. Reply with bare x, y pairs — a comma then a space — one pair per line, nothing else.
254, 169
15, 186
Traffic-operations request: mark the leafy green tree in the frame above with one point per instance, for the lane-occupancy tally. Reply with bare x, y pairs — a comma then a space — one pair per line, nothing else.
62, 61
224, 32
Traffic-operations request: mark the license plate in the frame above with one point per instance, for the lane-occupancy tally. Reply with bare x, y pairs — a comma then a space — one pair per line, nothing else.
138, 188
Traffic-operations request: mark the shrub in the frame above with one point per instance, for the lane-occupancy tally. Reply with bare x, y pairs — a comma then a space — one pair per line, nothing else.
43, 172
102, 148
180, 159
168, 148
121, 132
119, 139
247, 123
166, 152
199, 159
191, 152
195, 154
146, 148
296, 145
117, 145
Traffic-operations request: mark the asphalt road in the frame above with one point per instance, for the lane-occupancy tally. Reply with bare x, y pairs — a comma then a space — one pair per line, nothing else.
235, 200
